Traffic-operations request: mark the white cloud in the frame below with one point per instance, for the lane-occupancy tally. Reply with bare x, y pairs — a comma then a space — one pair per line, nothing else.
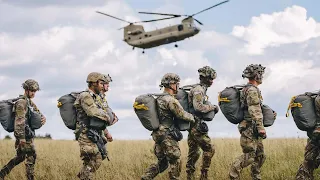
289, 26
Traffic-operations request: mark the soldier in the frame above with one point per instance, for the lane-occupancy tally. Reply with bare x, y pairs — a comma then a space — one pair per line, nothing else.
167, 136
312, 152
107, 79
89, 138
23, 133
251, 128
198, 134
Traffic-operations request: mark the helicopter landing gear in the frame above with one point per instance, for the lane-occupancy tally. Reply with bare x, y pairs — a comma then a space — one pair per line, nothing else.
133, 48
176, 45
143, 51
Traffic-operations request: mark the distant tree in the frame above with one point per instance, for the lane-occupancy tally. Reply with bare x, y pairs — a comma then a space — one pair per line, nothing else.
7, 137
46, 136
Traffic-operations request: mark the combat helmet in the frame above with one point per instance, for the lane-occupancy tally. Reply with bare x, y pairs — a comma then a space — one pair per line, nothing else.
207, 72
169, 78
31, 85
254, 71
107, 78
94, 77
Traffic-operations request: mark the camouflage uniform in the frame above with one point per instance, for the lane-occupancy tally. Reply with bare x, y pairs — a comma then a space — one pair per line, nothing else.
22, 131
87, 107
312, 153
166, 146
250, 141
197, 138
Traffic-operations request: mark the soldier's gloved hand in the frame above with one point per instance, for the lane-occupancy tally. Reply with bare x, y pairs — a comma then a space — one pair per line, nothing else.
109, 137
274, 114
216, 109
262, 133
43, 120
115, 119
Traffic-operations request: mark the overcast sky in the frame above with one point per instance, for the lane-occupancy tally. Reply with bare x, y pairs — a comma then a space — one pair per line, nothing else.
59, 42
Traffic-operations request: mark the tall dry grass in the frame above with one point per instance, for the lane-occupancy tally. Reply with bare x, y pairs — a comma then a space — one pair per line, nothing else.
59, 160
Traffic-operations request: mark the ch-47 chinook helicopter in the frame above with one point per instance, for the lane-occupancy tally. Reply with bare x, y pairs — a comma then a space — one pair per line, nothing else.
135, 36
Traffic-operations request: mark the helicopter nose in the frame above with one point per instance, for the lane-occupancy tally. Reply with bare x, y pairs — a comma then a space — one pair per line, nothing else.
196, 29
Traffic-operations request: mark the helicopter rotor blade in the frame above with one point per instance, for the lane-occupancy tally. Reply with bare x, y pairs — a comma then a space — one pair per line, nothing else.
163, 14
156, 19
114, 17
210, 8
198, 21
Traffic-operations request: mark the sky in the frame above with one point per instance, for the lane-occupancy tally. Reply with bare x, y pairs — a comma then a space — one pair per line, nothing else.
58, 43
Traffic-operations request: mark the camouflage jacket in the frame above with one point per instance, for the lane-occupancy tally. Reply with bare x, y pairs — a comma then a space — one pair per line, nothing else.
252, 101
317, 105
197, 97
169, 107
87, 105
21, 115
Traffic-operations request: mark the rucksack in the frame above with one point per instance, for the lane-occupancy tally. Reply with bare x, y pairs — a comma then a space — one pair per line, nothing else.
67, 110
7, 116
303, 110
146, 108
232, 106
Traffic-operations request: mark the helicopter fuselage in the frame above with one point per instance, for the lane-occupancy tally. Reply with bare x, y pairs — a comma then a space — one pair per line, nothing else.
136, 37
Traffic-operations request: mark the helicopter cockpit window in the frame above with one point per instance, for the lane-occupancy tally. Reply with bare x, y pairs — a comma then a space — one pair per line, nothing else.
180, 27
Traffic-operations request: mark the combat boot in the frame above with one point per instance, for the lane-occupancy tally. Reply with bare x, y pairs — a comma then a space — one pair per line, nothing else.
204, 175
190, 176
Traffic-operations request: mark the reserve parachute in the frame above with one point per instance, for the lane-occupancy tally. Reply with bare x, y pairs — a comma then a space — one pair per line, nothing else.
232, 106
303, 110
146, 108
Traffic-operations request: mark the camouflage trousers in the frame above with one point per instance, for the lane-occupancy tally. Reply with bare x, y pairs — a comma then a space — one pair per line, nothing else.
253, 154
90, 156
311, 161
196, 141
27, 153
168, 154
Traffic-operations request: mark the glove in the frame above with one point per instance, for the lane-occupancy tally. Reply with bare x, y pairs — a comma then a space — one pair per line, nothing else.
216, 109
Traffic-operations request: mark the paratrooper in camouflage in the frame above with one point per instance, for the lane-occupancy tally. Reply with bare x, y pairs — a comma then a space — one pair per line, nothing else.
25, 149
312, 152
251, 128
198, 137
166, 138
87, 108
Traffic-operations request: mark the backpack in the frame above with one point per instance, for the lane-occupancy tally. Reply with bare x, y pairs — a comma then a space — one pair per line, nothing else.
303, 110
146, 108
7, 116
68, 112
231, 104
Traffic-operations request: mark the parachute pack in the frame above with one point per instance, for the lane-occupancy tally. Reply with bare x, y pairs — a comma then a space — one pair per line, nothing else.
231, 106
303, 110
146, 108
7, 115
68, 112
182, 97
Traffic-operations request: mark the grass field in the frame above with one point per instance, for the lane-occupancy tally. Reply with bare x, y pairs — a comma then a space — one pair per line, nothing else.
59, 160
